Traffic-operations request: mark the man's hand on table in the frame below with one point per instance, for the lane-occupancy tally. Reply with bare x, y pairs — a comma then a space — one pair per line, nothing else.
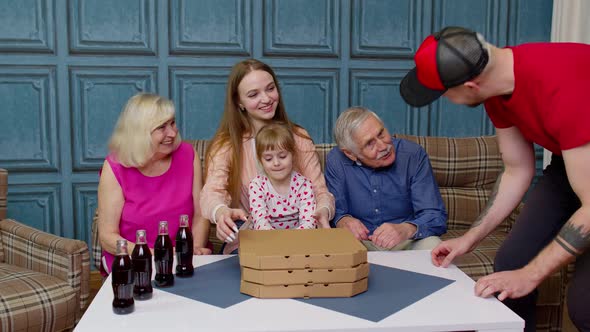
444, 253
507, 284
388, 235
355, 226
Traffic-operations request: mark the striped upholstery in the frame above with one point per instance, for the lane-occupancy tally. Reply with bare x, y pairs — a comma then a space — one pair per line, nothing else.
95, 249
200, 147
23, 294
44, 280
3, 194
472, 162
465, 170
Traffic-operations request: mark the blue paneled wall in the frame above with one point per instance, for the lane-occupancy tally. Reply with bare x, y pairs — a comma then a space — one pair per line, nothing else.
68, 67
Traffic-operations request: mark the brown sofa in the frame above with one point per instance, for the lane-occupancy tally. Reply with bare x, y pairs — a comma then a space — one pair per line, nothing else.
466, 170
44, 279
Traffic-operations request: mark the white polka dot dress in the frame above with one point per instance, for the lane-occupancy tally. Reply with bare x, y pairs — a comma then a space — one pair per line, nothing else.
270, 210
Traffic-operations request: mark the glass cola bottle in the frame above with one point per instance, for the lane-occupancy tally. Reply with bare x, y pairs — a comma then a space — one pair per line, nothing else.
184, 249
122, 280
163, 257
141, 257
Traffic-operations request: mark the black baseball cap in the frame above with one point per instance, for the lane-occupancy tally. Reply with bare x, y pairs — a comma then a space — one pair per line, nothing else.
444, 60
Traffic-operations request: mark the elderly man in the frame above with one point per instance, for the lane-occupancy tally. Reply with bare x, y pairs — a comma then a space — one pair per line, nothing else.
533, 93
386, 194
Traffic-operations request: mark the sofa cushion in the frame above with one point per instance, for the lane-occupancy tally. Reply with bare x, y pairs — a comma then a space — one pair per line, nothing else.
466, 170
39, 251
472, 162
96, 250
62, 258
29, 298
200, 146
463, 205
323, 150
3, 194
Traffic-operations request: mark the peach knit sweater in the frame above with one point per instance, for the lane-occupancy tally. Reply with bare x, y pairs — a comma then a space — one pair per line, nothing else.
215, 193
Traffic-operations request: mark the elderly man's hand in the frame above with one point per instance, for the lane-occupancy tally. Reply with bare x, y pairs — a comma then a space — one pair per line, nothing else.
388, 235
355, 226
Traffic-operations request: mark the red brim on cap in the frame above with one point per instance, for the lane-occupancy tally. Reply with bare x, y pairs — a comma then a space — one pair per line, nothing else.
416, 94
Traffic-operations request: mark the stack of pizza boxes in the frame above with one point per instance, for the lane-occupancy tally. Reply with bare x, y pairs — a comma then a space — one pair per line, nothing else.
302, 263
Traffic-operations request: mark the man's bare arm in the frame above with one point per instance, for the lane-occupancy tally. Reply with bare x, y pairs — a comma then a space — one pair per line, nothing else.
490, 201
574, 237
512, 183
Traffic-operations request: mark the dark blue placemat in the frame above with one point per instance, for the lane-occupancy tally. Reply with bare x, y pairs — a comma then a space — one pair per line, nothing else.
390, 290
216, 284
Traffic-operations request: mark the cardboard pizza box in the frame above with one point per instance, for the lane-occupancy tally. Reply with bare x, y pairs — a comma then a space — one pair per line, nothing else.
305, 276
344, 289
332, 248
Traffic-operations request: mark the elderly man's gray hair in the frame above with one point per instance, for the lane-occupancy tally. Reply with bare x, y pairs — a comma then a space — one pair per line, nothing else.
346, 125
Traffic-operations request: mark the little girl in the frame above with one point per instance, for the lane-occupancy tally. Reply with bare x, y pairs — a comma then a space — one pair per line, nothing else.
281, 198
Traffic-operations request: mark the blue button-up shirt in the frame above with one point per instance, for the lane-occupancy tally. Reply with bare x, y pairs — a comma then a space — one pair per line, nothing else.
406, 191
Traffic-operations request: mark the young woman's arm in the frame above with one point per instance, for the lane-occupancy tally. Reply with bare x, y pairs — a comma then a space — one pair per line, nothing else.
215, 197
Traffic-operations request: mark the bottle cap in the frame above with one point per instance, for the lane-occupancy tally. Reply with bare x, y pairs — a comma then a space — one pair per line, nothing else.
122, 247
140, 236
183, 220
163, 227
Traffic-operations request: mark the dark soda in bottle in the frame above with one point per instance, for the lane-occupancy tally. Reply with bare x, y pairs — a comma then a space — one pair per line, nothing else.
141, 257
184, 249
163, 257
122, 280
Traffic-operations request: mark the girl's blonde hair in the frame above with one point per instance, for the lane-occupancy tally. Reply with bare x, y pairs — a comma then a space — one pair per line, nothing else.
131, 141
274, 136
235, 124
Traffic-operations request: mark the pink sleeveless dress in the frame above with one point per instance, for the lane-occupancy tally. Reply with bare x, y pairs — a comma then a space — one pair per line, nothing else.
148, 200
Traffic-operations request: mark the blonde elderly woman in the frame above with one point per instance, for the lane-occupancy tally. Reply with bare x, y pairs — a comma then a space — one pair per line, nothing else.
148, 176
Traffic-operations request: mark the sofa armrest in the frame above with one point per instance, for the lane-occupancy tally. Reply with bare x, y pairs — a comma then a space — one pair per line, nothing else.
65, 259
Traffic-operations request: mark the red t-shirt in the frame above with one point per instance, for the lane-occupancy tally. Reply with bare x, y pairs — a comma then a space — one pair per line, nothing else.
547, 104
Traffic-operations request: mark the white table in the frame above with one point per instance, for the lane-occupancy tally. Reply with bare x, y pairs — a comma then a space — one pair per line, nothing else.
453, 308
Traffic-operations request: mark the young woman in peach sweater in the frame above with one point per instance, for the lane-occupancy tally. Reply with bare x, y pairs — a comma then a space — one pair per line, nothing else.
253, 99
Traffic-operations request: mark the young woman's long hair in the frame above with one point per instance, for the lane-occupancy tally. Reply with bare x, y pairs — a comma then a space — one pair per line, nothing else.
235, 124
